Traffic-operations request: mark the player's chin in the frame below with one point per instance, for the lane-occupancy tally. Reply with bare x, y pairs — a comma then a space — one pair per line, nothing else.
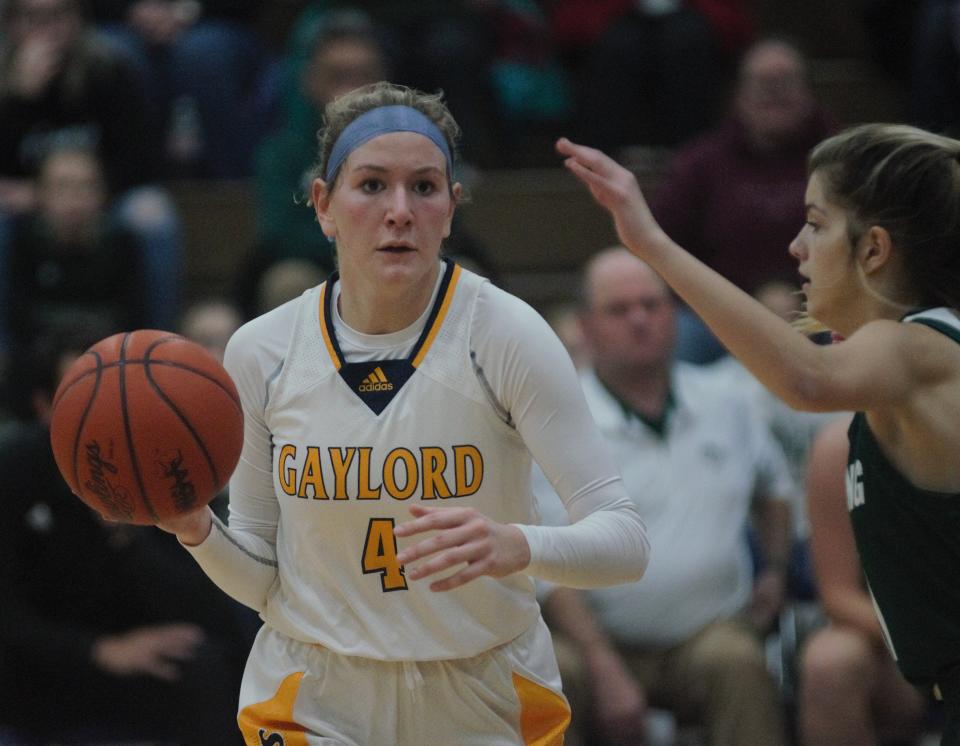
402, 266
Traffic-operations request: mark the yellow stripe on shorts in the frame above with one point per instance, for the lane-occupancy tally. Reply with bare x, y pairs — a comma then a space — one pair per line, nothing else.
544, 714
271, 722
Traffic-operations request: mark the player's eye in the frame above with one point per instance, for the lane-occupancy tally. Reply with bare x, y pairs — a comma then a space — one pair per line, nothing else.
371, 186
424, 188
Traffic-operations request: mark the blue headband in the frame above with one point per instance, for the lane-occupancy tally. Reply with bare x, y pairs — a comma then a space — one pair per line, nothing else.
381, 121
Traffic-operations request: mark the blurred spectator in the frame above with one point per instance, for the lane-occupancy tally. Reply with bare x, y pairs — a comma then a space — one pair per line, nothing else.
531, 84
735, 196
851, 691
210, 80
67, 264
697, 463
285, 280
781, 297
494, 60
210, 323
432, 45
564, 319
652, 75
60, 84
109, 633
795, 431
345, 55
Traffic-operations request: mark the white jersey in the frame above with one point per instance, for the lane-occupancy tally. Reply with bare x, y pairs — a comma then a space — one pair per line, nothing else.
349, 441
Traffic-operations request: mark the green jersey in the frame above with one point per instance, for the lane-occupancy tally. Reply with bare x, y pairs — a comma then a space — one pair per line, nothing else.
908, 540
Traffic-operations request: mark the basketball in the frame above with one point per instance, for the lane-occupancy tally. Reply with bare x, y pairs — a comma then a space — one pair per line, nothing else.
146, 425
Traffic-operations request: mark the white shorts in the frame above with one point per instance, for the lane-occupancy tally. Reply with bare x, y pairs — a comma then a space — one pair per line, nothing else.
297, 694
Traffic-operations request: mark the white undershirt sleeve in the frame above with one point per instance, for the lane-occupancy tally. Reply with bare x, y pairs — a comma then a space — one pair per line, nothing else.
533, 378
242, 558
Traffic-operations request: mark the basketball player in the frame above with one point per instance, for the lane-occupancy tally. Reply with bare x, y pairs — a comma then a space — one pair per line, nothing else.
381, 517
880, 254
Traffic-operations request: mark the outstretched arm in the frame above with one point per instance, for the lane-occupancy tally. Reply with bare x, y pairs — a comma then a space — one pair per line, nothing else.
873, 368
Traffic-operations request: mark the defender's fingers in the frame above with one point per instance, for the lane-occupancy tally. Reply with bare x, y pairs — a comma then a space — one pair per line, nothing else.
585, 174
566, 146
595, 160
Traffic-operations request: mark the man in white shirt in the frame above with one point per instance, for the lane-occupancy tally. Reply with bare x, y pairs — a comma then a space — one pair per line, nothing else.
699, 466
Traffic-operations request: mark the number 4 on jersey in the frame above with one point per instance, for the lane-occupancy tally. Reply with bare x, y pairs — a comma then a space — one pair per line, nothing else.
380, 554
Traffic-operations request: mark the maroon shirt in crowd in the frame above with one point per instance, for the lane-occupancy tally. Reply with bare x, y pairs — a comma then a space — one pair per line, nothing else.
735, 208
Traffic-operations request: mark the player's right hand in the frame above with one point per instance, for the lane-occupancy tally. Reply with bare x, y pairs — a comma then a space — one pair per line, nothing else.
190, 528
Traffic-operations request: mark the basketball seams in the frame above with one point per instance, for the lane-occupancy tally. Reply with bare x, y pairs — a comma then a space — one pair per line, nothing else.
168, 363
203, 374
183, 419
65, 386
83, 418
198, 372
128, 430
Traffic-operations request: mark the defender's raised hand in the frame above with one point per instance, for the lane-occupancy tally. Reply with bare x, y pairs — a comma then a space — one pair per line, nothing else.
616, 189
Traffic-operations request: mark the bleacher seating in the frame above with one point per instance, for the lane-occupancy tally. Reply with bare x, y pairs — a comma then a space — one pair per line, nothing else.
538, 225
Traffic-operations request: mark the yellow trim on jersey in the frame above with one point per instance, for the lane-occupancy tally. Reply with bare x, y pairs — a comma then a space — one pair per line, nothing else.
544, 714
323, 327
274, 717
441, 314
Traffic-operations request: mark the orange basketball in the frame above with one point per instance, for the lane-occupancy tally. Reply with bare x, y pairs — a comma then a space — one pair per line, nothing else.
146, 425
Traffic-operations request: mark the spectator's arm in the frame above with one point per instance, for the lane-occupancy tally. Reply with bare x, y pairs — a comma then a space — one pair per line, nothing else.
833, 551
773, 520
619, 702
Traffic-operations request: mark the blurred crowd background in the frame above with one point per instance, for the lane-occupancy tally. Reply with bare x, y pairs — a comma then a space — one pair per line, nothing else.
153, 164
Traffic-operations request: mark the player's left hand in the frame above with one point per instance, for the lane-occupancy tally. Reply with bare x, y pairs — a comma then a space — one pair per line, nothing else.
463, 535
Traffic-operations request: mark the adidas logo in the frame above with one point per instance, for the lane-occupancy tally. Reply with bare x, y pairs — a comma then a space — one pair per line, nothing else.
376, 381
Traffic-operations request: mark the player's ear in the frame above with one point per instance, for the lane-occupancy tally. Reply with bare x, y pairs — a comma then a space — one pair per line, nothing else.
320, 199
875, 249
456, 192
